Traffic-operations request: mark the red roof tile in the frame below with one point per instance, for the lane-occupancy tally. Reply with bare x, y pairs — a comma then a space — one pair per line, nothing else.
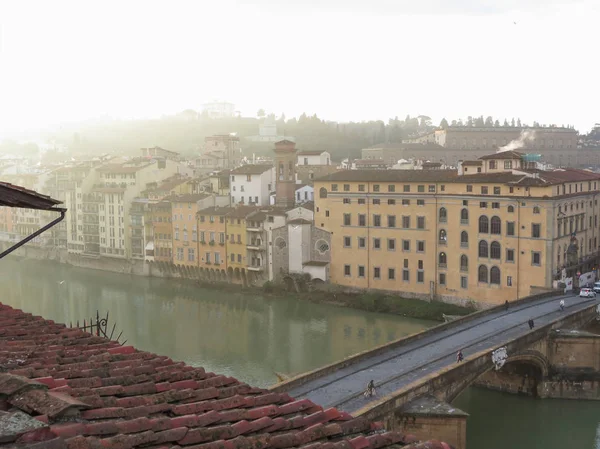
77, 391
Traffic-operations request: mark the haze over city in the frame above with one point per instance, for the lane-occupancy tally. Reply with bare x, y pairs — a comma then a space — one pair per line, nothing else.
67, 61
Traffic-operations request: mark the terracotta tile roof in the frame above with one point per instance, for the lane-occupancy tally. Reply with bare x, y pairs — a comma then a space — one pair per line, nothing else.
122, 168
66, 389
215, 211
16, 196
251, 169
472, 163
503, 155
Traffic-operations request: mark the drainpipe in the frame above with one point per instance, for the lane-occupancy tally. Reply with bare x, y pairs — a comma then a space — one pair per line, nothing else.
36, 233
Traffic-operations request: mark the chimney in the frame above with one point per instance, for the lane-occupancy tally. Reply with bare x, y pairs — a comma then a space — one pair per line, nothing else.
460, 168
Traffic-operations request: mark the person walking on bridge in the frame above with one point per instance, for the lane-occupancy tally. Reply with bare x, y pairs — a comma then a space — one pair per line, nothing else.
506, 305
562, 305
459, 356
530, 324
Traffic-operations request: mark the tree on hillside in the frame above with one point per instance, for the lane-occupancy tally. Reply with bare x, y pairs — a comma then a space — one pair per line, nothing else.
489, 121
505, 122
460, 122
261, 113
469, 121
444, 124
519, 122
512, 123
479, 121
454, 123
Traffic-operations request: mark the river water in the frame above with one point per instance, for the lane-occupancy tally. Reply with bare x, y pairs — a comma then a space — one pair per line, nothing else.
251, 337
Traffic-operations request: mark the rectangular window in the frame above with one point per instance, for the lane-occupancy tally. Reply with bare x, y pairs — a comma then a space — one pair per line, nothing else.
207, 257
362, 242
362, 220
232, 257
420, 264
510, 255
326, 215
405, 263
361, 201
420, 202
536, 230
346, 201
507, 165
420, 246
511, 190
406, 188
495, 205
361, 187
420, 222
406, 202
376, 188
496, 190
346, 187
376, 243
391, 188
376, 201
536, 258
405, 275
391, 202
469, 188
405, 245
347, 242
191, 255
442, 278
431, 188
334, 187
217, 258
510, 228
347, 271
421, 189
347, 219
377, 220
463, 282
420, 277
483, 205
391, 244
509, 281
239, 258
376, 273
484, 190
406, 222
361, 271
391, 274
465, 202
391, 221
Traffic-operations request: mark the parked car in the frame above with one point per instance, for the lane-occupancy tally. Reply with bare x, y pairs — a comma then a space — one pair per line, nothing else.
587, 293
597, 287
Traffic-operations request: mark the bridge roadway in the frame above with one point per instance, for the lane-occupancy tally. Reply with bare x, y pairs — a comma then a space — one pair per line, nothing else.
400, 366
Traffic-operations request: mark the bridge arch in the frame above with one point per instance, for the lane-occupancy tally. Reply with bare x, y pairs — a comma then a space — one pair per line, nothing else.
535, 360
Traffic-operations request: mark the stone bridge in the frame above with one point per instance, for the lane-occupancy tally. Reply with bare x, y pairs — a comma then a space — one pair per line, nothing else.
417, 377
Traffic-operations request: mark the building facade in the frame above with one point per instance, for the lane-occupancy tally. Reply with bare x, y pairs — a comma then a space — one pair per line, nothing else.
314, 158
285, 166
251, 184
489, 237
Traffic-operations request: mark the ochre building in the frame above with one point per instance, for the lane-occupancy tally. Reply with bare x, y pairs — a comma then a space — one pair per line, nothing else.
498, 233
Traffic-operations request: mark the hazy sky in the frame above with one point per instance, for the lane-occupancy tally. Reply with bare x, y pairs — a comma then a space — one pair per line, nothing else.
343, 59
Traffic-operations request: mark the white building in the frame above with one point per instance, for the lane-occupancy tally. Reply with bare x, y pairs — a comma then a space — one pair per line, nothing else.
304, 193
314, 158
219, 109
252, 184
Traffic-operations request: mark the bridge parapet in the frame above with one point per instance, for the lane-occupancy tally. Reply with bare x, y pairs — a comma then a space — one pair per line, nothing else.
304, 378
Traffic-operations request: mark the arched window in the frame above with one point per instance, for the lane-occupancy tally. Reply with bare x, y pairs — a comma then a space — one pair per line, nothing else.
322, 192
495, 250
495, 275
464, 216
464, 263
442, 260
496, 225
536, 209
464, 239
484, 225
443, 237
482, 274
483, 249
443, 215
511, 209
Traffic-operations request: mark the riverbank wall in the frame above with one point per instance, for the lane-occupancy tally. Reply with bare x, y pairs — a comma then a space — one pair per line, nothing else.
297, 286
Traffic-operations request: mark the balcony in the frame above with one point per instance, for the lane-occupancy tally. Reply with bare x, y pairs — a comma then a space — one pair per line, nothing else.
256, 246
254, 228
255, 268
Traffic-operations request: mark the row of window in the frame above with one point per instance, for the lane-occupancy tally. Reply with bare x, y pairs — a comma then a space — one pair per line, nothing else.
191, 256
484, 276
406, 188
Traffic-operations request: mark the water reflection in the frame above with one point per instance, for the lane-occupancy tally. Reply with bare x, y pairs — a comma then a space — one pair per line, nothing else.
246, 336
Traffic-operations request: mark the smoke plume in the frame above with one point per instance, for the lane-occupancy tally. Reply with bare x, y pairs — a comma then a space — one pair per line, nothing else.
527, 135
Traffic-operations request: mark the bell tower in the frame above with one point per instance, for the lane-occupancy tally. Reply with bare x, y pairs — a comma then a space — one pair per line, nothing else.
285, 173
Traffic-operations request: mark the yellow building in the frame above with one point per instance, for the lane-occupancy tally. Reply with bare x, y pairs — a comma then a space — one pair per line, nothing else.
498, 232
236, 237
211, 235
